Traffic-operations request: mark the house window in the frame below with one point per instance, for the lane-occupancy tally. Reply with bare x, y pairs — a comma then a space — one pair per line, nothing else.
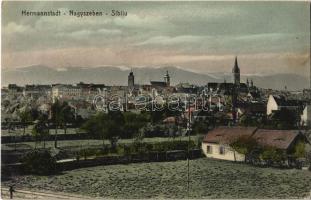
209, 149
221, 150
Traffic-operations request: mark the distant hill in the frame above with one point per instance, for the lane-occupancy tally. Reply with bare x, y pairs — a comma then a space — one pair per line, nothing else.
118, 76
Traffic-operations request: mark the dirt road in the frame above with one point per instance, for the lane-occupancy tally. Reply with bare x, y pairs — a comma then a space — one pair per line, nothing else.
26, 194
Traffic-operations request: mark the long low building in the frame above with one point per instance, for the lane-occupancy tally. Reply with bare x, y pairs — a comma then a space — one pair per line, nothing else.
216, 144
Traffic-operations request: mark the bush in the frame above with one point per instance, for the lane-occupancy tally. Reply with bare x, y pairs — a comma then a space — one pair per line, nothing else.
274, 155
39, 162
300, 150
173, 145
244, 145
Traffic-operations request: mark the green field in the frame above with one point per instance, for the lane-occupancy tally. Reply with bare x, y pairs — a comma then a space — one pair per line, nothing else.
208, 179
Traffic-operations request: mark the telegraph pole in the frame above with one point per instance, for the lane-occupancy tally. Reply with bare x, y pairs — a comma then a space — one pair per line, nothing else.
188, 159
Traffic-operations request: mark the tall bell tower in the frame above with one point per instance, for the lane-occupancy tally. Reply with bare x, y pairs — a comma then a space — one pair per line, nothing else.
236, 88
236, 73
130, 80
167, 79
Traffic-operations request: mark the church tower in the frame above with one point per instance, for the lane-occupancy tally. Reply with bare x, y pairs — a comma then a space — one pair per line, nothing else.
236, 73
167, 79
130, 80
235, 93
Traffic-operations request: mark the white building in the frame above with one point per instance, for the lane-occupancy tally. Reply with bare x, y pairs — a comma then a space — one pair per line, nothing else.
216, 144
277, 102
66, 91
306, 116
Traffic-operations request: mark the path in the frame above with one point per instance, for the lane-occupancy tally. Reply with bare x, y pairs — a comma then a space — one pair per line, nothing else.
26, 194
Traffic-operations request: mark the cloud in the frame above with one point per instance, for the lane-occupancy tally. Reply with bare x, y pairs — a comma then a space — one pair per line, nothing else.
200, 35
136, 21
13, 28
166, 40
109, 31
87, 34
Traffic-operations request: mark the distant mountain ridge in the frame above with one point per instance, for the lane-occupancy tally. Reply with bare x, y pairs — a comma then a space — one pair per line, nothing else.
118, 76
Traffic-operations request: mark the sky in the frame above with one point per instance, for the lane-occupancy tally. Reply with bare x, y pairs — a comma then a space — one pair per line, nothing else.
204, 37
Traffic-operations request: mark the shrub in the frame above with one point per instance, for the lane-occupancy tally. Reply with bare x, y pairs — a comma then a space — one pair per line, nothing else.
272, 154
300, 150
88, 152
120, 150
244, 145
127, 150
39, 162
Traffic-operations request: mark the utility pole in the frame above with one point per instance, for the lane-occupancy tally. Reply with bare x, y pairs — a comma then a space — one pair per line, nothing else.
188, 158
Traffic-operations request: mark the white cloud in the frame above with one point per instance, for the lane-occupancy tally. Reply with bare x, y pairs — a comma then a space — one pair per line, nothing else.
61, 69
136, 21
13, 28
109, 31
166, 40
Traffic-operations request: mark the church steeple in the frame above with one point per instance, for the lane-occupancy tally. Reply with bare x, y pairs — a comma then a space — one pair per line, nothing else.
236, 72
235, 93
167, 79
236, 68
130, 80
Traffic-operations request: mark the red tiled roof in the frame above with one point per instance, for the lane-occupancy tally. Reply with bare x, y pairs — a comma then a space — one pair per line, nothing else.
169, 120
226, 135
280, 139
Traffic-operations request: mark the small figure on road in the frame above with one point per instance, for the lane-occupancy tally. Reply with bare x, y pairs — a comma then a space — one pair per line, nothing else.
11, 189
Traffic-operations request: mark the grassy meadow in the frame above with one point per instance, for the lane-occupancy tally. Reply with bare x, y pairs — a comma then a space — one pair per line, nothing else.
208, 179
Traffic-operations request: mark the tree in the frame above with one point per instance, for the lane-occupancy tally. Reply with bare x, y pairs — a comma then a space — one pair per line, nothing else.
133, 123
40, 131
247, 146
250, 120
300, 150
105, 126
94, 125
56, 110
113, 127
285, 119
67, 115
25, 117
61, 115
200, 127
272, 155
39, 162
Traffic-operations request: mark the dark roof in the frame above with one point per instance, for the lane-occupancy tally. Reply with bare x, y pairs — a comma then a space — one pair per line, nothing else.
243, 85
282, 101
226, 85
212, 84
280, 139
158, 83
227, 135
253, 107
37, 87
254, 94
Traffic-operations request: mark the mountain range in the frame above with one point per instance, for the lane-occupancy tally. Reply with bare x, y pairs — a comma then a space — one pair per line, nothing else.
118, 76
